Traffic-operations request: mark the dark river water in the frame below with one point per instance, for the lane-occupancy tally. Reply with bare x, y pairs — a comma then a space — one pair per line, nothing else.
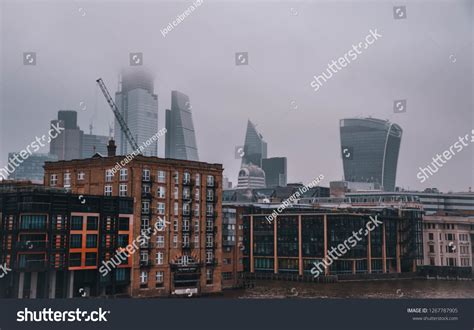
391, 289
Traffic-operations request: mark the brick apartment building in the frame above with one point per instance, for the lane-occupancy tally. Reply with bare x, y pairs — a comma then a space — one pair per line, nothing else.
52, 244
232, 247
181, 259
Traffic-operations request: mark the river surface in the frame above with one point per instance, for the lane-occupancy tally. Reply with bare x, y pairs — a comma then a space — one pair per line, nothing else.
389, 289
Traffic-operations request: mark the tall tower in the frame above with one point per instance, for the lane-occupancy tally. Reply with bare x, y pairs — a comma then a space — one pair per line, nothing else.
138, 105
180, 134
255, 148
370, 150
68, 144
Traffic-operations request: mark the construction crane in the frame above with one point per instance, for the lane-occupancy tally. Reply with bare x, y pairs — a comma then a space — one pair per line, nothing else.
118, 116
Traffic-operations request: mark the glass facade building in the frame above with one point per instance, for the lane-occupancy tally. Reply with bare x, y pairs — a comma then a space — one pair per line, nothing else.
255, 148
275, 171
138, 105
180, 134
370, 150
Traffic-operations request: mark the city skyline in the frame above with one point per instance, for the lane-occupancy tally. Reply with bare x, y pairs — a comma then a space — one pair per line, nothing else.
282, 111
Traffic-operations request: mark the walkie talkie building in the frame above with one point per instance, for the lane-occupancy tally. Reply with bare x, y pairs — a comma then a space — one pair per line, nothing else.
370, 150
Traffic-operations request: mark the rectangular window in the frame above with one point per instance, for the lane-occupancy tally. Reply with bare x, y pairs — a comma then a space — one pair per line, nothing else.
162, 176
145, 207
175, 208
209, 276
143, 278
176, 177
186, 178
76, 223
431, 248
160, 241
33, 222
209, 240
107, 190
146, 175
109, 175
430, 236
81, 176
160, 193
145, 224
210, 195
175, 192
210, 181
76, 241
185, 240
186, 209
175, 241
92, 223
91, 259
209, 257
122, 241
196, 241
143, 256
123, 174
185, 225
209, 210
159, 278
91, 241
160, 208
75, 259
198, 179
186, 193
196, 210
67, 179
53, 180
123, 190
124, 224
159, 258
196, 225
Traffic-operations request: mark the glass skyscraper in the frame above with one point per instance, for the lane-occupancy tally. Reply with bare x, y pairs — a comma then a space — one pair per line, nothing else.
275, 171
138, 105
370, 150
180, 135
255, 148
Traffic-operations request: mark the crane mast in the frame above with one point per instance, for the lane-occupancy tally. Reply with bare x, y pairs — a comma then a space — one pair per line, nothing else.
118, 115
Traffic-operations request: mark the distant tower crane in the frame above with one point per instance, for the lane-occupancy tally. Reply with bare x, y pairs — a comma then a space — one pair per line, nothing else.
118, 116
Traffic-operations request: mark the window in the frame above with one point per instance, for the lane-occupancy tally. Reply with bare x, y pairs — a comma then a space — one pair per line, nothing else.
143, 278
143, 256
92, 223
432, 261
145, 223
124, 224
33, 222
186, 209
91, 259
159, 258
160, 208
122, 241
108, 190
75, 260
161, 176
67, 179
175, 225
160, 192
209, 276
209, 257
185, 225
145, 189
81, 176
176, 177
186, 193
431, 247
123, 174
186, 178
176, 208
76, 241
109, 175
185, 240
175, 193
209, 210
123, 190
53, 180
91, 241
76, 223
210, 181
145, 207
175, 241
146, 175
198, 179
159, 278
210, 195
196, 210
196, 241
209, 240
196, 194
160, 241
209, 224
196, 225
430, 236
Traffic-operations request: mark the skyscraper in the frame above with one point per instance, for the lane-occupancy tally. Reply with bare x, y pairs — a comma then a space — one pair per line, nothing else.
275, 171
255, 148
370, 150
138, 105
180, 135
31, 168
68, 144
92, 144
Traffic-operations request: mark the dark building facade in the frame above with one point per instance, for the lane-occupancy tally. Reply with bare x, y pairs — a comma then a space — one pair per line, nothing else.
275, 171
92, 144
53, 242
232, 247
255, 148
68, 144
180, 135
370, 149
31, 168
298, 238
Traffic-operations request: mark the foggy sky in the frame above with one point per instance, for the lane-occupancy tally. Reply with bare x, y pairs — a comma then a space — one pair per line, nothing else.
288, 42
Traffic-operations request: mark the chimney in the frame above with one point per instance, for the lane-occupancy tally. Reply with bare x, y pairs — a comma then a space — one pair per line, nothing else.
111, 147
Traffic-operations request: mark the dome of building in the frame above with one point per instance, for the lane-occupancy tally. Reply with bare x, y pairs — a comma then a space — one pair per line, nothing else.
251, 176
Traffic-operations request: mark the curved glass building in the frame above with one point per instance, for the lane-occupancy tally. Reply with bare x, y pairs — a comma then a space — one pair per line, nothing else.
370, 150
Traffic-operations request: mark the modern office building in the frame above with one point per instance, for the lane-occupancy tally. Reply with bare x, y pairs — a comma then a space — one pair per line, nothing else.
255, 148
275, 171
54, 242
297, 238
68, 144
370, 150
180, 134
184, 257
138, 105
232, 247
448, 241
31, 168
251, 176
92, 144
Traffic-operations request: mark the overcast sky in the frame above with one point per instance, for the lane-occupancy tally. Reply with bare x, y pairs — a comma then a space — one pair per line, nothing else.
426, 59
